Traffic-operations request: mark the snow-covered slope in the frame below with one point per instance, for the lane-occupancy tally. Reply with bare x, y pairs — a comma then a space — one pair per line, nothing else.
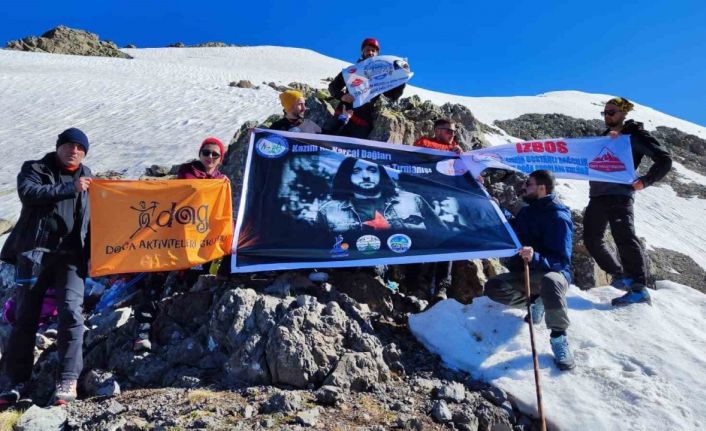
638, 368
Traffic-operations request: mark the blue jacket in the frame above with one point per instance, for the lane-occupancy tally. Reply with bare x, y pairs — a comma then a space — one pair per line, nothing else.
546, 226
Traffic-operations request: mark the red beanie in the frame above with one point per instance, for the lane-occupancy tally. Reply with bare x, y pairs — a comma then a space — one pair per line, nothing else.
216, 142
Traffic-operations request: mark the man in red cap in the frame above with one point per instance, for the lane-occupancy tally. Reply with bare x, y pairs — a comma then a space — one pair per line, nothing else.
358, 122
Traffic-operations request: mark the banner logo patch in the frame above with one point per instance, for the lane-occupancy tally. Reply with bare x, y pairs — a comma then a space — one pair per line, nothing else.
272, 147
606, 161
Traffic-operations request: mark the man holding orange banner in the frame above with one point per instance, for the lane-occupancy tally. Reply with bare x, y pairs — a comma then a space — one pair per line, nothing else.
148, 226
48, 249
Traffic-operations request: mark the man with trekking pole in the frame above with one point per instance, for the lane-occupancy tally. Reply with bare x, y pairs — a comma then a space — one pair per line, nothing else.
545, 230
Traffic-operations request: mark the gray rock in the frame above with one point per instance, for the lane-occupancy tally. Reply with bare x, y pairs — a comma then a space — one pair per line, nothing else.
304, 346
130, 46
65, 40
115, 408
282, 402
248, 411
41, 419
426, 385
464, 419
360, 371
453, 392
440, 412
98, 383
495, 395
240, 323
671, 265
101, 325
243, 83
308, 418
329, 395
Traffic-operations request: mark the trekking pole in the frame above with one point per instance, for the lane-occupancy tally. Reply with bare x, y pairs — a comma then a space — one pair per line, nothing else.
537, 384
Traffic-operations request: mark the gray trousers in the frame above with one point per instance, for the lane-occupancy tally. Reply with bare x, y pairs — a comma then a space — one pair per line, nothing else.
63, 274
509, 289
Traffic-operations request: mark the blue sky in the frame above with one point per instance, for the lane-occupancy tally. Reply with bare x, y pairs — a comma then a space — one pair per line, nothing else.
652, 52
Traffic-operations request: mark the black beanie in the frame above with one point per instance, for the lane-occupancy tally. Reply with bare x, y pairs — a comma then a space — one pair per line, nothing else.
75, 136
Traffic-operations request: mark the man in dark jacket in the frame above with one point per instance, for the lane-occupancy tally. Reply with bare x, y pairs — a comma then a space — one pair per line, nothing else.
358, 122
49, 248
294, 106
612, 204
545, 230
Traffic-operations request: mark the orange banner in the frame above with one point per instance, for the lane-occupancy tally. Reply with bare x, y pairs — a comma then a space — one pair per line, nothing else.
162, 225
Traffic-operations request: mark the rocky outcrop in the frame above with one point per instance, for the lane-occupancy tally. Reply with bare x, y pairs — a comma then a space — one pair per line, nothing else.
540, 126
65, 40
410, 118
203, 45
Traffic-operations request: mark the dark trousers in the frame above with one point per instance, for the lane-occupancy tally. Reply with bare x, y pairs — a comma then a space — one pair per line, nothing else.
509, 289
617, 211
62, 273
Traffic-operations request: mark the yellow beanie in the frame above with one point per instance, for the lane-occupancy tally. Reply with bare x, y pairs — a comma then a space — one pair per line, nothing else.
622, 103
289, 98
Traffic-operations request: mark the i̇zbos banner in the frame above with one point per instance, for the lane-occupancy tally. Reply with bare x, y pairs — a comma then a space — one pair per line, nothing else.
324, 201
595, 159
162, 225
374, 76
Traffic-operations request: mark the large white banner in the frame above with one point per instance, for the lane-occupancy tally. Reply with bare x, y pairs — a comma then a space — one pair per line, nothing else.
594, 159
374, 76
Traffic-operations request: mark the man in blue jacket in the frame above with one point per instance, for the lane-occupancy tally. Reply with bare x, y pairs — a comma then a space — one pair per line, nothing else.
49, 248
545, 230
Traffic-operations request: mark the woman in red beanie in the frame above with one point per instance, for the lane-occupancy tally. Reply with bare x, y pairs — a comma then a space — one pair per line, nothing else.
206, 167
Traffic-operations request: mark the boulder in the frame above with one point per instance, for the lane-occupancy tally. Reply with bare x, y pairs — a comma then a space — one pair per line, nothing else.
65, 40
40, 419
243, 83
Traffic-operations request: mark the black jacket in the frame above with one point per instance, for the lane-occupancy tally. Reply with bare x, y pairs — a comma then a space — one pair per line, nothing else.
643, 144
304, 126
39, 228
337, 88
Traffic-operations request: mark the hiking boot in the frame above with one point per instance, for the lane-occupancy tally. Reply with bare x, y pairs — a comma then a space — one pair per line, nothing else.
563, 357
16, 395
65, 392
621, 282
638, 294
536, 311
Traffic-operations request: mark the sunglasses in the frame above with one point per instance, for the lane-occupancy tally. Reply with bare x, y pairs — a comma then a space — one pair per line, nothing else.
208, 153
446, 128
609, 113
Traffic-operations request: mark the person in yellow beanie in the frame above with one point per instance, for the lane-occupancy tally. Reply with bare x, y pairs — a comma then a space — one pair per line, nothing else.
294, 106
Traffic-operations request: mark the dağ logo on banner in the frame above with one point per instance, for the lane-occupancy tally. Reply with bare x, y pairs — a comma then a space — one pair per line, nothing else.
315, 201
163, 225
595, 159
374, 76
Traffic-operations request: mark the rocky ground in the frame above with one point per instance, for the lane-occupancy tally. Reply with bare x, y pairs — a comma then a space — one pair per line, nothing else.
284, 353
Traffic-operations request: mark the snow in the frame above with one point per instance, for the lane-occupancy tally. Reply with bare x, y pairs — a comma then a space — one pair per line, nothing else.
639, 368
